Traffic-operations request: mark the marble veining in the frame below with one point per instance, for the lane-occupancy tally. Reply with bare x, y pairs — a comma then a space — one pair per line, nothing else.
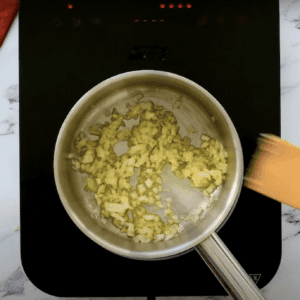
16, 285
291, 218
10, 122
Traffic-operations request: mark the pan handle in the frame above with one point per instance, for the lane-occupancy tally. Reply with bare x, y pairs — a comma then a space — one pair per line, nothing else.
227, 270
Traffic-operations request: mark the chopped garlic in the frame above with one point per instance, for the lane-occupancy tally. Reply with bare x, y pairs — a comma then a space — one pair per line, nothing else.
144, 199
141, 188
155, 190
206, 193
103, 220
134, 195
142, 238
159, 204
149, 183
159, 237
168, 237
205, 138
98, 199
114, 207
180, 228
149, 217
118, 217
192, 129
153, 143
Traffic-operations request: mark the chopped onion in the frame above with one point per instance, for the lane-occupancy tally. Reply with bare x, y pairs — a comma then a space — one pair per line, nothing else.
153, 143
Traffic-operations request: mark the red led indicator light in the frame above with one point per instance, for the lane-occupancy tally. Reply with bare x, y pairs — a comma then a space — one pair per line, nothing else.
180, 6
171, 6
188, 5
70, 6
162, 6
136, 20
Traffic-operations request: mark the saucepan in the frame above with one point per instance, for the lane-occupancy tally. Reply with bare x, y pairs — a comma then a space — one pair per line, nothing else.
193, 107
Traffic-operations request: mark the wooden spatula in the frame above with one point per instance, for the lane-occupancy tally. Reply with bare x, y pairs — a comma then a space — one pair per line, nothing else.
274, 170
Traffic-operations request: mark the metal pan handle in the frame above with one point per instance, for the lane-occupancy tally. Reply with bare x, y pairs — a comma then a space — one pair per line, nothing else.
227, 270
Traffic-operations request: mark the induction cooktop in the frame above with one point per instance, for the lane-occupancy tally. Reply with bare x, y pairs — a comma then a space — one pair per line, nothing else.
231, 48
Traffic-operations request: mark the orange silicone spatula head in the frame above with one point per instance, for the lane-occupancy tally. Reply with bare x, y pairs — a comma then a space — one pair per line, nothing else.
274, 170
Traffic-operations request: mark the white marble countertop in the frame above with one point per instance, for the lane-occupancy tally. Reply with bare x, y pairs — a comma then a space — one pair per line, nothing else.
14, 284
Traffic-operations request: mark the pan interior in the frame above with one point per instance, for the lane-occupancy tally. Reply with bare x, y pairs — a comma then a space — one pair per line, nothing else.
192, 109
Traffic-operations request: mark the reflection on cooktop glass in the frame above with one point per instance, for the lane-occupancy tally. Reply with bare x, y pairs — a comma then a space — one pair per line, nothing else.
148, 53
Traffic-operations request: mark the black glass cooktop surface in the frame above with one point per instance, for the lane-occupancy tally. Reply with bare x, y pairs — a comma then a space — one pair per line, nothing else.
231, 48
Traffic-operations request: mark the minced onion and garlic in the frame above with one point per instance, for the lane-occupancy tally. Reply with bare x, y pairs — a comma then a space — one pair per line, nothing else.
153, 143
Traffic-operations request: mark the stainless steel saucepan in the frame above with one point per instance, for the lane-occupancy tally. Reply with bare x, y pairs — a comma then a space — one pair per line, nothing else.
192, 106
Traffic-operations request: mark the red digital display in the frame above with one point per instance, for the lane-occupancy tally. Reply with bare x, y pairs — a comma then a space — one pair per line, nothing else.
70, 6
180, 6
171, 6
188, 5
162, 6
